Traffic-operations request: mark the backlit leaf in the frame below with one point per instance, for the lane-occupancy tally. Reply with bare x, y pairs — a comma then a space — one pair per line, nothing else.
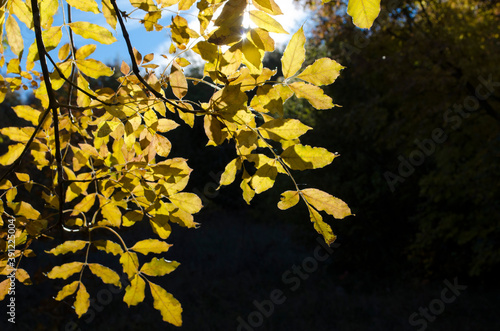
326, 202
288, 199
107, 275
28, 113
159, 267
301, 157
92, 31
322, 72
68, 246
85, 204
130, 263
363, 12
229, 174
109, 13
315, 95
94, 68
14, 36
150, 246
84, 5
321, 227
280, 128
67, 290
18, 134
269, 6
165, 302
108, 246
178, 81
82, 301
266, 22
294, 54
134, 293
188, 202
66, 270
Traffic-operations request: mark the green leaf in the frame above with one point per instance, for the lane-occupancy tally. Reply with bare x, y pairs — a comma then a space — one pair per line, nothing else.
294, 54
302, 157
107, 275
326, 202
92, 31
159, 267
134, 293
363, 12
151, 246
68, 246
168, 306
322, 72
66, 270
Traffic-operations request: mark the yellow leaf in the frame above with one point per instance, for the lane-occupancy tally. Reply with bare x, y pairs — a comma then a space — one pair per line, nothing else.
229, 174
130, 263
165, 125
186, 4
266, 22
326, 202
14, 36
107, 275
84, 5
109, 13
23, 177
48, 9
168, 306
146, 5
131, 217
68, 246
22, 11
25, 209
363, 12
188, 202
315, 95
66, 270
264, 178
18, 134
213, 130
82, 301
111, 212
248, 192
294, 54
27, 113
288, 199
269, 6
321, 227
159, 267
252, 56
94, 68
108, 246
23, 277
4, 288
322, 72
178, 81
162, 145
161, 227
52, 37
280, 128
92, 31
67, 290
134, 293
151, 246
85, 204
302, 157
85, 51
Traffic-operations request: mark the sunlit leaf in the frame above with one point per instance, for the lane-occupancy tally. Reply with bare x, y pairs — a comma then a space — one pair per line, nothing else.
288, 129
294, 54
322, 72
107, 275
67, 290
266, 22
28, 113
325, 202
150, 246
363, 12
288, 199
188, 202
14, 36
108, 246
301, 157
321, 227
165, 302
92, 31
159, 267
134, 293
130, 263
66, 270
68, 246
82, 301
315, 95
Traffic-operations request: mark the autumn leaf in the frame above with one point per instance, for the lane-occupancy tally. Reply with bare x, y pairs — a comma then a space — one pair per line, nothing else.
68, 246
280, 128
150, 246
82, 301
130, 263
67, 290
302, 157
165, 302
363, 12
66, 270
315, 95
159, 267
321, 227
108, 246
134, 293
325, 202
294, 54
266, 22
322, 72
288, 199
106, 274
92, 31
